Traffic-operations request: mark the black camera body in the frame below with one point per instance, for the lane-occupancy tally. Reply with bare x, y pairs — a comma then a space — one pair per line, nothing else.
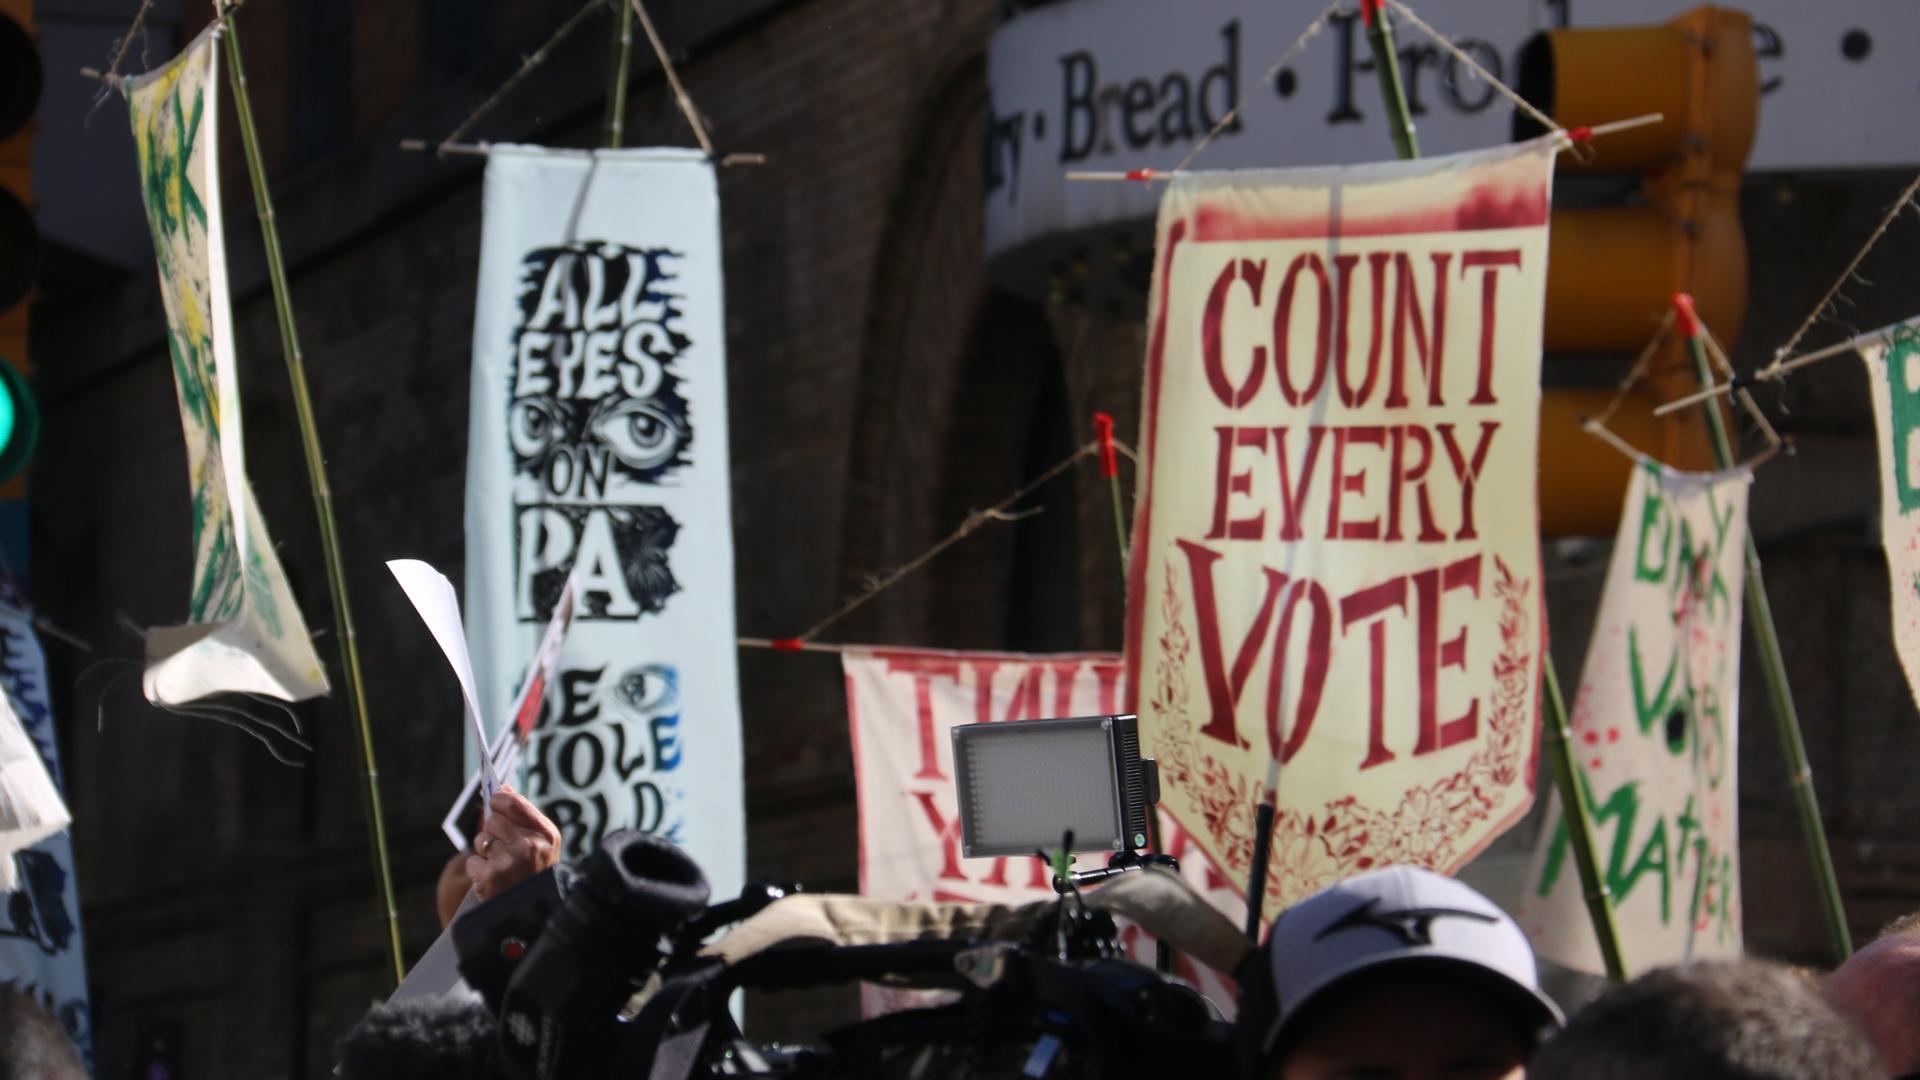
560, 959
596, 944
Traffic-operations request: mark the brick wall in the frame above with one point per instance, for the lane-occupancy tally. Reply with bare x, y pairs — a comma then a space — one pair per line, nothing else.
234, 894
881, 390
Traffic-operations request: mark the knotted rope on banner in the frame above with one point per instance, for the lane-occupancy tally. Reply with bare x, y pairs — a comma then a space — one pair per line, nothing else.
1775, 369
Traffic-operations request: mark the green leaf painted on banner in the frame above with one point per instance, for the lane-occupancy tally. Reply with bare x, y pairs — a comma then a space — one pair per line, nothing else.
261, 588
189, 133
217, 590
187, 377
1903, 397
1649, 711
1663, 855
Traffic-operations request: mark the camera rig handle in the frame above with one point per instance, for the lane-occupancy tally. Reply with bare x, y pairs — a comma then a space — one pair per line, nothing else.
1122, 863
754, 896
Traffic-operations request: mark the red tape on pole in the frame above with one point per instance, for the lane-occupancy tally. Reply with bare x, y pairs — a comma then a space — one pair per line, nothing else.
1684, 317
1103, 430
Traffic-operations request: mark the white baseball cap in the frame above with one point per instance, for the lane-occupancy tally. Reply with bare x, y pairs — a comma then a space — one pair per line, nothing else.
1397, 915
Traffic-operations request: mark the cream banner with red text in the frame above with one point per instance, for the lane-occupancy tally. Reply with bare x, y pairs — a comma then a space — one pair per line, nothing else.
1654, 726
1336, 559
901, 704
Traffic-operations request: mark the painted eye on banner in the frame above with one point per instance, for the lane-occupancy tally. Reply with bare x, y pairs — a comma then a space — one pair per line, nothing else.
533, 424
649, 688
642, 434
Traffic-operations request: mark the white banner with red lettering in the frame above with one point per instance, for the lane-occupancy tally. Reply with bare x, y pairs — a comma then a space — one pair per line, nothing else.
1336, 559
1655, 725
901, 703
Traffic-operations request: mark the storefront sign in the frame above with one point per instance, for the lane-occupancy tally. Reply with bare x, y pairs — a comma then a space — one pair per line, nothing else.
1126, 84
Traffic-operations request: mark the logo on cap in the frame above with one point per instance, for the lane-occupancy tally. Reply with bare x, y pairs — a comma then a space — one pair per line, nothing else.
1413, 925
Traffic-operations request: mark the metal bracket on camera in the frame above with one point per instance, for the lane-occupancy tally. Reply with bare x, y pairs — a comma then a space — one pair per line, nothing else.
1121, 863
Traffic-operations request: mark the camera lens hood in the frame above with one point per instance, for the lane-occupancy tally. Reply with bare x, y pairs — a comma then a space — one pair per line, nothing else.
646, 879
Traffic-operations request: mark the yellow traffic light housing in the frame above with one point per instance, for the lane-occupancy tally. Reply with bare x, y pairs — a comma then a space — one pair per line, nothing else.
1612, 271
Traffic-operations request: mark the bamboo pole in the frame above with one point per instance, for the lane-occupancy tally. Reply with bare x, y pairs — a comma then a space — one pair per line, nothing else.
1786, 717
1574, 809
317, 475
1566, 777
1386, 64
617, 89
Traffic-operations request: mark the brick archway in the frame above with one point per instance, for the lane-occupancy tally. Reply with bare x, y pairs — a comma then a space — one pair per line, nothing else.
952, 373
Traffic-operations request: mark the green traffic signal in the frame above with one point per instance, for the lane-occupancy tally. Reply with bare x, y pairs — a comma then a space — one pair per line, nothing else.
19, 422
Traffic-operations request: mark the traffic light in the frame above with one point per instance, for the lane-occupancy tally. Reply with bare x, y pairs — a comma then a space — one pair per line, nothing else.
20, 78
1612, 270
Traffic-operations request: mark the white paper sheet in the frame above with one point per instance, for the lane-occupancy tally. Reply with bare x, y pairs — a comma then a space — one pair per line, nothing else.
507, 744
433, 597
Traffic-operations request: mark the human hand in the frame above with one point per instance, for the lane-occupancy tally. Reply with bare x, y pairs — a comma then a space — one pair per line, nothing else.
517, 842
451, 889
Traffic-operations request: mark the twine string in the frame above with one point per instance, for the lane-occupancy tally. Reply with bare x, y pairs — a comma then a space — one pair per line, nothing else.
1000, 511
1473, 65
1313, 29
1775, 369
680, 95
111, 77
967, 528
1770, 373
1641, 366
532, 61
877, 584
1717, 355
1579, 140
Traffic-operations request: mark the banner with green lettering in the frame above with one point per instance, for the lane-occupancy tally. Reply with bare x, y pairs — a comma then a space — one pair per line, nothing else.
1892, 357
1655, 729
243, 633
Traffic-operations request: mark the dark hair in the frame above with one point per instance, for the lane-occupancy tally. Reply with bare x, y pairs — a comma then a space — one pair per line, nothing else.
421, 1039
32, 1042
1712, 1020
1905, 925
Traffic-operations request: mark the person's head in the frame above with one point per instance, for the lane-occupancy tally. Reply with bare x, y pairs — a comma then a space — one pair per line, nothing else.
1879, 987
1394, 974
32, 1042
423, 1038
1709, 1020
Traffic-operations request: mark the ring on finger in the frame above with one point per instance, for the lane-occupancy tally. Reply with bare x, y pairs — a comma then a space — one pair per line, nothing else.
484, 844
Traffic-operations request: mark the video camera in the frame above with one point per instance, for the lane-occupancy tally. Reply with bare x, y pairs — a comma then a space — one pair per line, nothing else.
602, 969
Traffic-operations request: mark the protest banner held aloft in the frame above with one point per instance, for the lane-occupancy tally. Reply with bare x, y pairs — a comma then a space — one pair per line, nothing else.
1336, 564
